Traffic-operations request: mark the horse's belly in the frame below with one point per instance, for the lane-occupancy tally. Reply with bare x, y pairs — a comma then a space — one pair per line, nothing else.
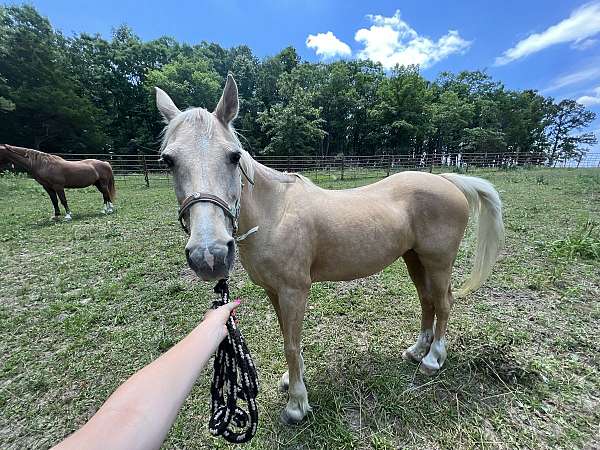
80, 177
355, 261
350, 271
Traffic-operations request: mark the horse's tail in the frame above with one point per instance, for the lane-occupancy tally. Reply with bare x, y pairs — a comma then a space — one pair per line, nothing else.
484, 201
112, 191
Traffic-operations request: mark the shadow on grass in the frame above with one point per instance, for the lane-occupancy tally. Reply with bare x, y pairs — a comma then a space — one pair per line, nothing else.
77, 217
374, 398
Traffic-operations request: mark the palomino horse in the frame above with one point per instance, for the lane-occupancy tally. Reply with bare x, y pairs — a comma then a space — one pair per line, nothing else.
307, 234
55, 174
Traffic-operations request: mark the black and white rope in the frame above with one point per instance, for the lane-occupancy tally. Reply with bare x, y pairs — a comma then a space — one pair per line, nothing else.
234, 379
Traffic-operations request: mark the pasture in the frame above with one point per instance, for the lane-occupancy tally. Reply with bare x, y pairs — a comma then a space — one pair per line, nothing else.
85, 304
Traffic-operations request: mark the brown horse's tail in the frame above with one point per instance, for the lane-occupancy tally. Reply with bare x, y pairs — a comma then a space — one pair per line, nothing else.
112, 191
484, 201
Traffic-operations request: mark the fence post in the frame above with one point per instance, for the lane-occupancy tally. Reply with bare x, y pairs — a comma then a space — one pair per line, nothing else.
432, 162
389, 164
145, 169
343, 163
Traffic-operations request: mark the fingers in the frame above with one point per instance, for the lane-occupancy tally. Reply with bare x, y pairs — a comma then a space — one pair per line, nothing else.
226, 310
230, 307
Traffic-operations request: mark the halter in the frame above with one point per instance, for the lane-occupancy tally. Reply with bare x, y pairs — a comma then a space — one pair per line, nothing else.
199, 197
233, 212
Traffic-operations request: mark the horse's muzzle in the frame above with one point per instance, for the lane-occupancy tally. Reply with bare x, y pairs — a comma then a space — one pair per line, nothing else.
212, 262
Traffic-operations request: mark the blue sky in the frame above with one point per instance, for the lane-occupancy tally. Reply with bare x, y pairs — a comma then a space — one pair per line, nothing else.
551, 45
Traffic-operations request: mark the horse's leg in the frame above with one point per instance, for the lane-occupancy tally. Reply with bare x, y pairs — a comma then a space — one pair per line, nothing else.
284, 382
63, 200
438, 277
104, 191
54, 200
292, 304
417, 273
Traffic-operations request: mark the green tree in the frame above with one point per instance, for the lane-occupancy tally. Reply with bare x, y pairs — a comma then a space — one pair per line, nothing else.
47, 106
189, 81
449, 117
293, 125
400, 114
566, 118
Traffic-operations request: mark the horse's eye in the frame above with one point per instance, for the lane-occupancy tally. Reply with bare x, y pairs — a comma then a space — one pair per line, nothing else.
235, 157
166, 159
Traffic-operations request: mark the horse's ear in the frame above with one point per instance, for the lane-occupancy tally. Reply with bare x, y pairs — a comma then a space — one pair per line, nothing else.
165, 105
228, 106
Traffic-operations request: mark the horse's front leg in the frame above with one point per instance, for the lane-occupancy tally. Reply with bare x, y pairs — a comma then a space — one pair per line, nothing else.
54, 200
292, 304
63, 200
284, 382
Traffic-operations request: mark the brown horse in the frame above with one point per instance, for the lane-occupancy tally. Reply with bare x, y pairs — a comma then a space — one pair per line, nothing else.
55, 174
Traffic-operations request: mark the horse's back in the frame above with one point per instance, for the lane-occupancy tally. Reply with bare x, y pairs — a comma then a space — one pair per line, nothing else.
369, 227
82, 173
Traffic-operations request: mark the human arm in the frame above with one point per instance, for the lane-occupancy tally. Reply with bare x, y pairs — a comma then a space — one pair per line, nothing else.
139, 414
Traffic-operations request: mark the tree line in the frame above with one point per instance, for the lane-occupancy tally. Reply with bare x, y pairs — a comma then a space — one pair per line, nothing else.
87, 94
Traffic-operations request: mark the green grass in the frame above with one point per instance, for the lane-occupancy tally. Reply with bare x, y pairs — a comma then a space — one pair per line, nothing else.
85, 304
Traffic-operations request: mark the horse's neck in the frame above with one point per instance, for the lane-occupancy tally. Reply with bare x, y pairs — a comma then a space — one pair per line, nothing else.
264, 200
19, 157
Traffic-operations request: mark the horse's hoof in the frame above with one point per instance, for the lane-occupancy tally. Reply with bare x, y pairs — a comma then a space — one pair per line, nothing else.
411, 357
289, 419
428, 370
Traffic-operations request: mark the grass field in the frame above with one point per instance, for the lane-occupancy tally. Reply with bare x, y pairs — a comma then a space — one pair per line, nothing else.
85, 304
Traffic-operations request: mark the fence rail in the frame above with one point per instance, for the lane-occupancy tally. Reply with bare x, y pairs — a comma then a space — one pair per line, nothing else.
348, 167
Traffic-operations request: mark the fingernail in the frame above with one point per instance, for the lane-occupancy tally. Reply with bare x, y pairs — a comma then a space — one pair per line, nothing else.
237, 301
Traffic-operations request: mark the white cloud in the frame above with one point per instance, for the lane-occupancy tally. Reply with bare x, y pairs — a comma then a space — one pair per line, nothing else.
327, 45
588, 74
391, 41
583, 23
591, 100
584, 44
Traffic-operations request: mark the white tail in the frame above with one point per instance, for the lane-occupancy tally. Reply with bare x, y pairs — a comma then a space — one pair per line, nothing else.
484, 200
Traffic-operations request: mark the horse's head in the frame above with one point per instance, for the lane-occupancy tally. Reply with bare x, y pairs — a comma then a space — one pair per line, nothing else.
206, 160
3, 154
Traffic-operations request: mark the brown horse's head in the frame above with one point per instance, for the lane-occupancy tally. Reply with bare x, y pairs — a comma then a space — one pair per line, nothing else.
205, 156
3, 155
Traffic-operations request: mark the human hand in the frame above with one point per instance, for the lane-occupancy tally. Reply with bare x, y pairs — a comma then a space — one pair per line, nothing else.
215, 319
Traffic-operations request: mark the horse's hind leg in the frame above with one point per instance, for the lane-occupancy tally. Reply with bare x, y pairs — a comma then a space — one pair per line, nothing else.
417, 273
292, 304
54, 200
438, 275
106, 197
63, 200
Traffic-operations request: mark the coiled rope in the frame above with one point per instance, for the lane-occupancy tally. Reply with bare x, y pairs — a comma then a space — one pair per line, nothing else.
234, 379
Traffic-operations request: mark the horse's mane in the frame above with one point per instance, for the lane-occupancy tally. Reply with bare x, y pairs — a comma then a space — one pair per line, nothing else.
34, 156
276, 175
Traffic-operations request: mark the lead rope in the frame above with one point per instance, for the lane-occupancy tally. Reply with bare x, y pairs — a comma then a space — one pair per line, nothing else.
234, 378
